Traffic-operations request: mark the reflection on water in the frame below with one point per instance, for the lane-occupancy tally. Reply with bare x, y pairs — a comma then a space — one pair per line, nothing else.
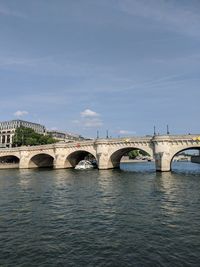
177, 167
186, 168
138, 166
128, 217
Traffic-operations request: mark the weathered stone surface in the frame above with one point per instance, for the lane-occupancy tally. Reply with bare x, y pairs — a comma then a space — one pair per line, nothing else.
107, 152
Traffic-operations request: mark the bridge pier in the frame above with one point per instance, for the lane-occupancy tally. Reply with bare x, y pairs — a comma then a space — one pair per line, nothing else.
162, 153
102, 161
24, 159
103, 155
162, 162
107, 152
59, 161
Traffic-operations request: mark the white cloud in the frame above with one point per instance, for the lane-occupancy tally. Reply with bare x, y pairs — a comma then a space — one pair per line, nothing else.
89, 119
88, 113
20, 113
183, 18
58, 66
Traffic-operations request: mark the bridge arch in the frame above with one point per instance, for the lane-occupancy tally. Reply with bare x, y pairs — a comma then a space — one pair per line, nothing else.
41, 160
182, 150
73, 158
9, 161
116, 155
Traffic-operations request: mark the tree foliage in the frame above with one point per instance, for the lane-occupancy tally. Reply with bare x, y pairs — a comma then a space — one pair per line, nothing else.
28, 137
137, 153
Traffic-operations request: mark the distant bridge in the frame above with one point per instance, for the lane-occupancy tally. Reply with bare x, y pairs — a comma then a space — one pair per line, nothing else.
107, 152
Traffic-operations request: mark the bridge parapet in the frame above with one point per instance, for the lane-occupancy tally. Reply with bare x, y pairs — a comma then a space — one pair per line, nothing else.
108, 151
166, 147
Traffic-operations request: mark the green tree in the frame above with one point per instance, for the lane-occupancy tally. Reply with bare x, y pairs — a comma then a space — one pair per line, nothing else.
136, 153
133, 154
28, 137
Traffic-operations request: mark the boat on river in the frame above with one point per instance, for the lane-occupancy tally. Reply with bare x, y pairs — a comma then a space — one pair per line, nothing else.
84, 165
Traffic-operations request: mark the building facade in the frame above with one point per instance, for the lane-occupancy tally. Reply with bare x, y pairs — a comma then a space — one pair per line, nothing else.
64, 136
60, 136
8, 128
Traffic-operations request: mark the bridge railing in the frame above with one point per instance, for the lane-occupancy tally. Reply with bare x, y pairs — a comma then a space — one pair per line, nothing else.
149, 138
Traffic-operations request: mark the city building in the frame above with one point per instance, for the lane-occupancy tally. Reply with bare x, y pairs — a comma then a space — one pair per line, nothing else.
60, 136
8, 128
64, 136
69, 137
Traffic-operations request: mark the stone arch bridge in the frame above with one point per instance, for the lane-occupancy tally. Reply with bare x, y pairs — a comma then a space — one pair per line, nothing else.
107, 152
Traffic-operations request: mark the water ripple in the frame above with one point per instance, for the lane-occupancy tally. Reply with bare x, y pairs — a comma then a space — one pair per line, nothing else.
99, 218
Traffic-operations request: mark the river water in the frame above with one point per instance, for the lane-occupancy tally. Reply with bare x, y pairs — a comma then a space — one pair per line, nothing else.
128, 217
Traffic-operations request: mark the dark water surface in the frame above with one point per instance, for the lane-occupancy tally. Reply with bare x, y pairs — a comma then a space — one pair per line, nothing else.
129, 217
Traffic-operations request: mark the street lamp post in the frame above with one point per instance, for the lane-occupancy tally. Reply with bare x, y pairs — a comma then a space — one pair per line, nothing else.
167, 129
154, 130
106, 133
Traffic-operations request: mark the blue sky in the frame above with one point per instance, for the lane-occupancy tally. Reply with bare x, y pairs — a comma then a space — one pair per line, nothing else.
88, 65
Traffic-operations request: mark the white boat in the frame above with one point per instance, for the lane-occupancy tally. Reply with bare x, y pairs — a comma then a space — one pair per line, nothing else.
84, 164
